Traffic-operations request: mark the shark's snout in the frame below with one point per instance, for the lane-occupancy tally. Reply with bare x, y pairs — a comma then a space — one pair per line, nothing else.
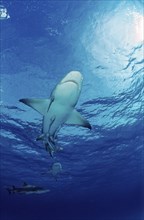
74, 76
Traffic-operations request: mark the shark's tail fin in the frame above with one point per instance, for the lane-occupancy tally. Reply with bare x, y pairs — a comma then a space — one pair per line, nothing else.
49, 143
50, 149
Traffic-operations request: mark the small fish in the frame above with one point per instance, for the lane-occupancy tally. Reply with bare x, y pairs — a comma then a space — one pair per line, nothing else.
3, 13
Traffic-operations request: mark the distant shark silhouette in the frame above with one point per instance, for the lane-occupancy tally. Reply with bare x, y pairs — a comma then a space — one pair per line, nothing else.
55, 170
59, 109
27, 189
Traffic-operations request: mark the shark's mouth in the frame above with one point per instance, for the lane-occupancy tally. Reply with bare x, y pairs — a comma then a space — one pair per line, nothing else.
73, 81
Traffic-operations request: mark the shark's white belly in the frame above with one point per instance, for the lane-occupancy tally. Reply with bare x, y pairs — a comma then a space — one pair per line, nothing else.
65, 97
55, 118
67, 93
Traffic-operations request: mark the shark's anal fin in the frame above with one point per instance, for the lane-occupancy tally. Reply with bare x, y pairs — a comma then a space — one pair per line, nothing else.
77, 119
40, 105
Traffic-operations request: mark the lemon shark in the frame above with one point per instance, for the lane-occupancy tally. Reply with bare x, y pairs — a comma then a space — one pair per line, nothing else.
27, 189
59, 109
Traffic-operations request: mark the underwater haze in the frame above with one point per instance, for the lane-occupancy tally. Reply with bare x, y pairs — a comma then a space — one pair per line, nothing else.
102, 169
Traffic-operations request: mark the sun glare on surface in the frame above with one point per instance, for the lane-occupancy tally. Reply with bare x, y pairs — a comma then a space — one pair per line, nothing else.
139, 27
138, 21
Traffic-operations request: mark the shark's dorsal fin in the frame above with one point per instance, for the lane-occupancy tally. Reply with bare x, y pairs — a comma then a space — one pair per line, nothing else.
25, 184
77, 119
40, 105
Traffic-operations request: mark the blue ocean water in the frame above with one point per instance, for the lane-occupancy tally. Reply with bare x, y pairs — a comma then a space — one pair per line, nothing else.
102, 176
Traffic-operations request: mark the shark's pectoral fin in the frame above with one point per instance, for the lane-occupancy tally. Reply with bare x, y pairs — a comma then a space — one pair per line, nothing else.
77, 119
40, 105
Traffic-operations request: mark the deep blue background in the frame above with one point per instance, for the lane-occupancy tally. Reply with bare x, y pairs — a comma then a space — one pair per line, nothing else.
103, 168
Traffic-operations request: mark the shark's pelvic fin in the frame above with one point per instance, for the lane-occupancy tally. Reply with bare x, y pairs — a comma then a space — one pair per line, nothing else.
40, 105
77, 119
40, 137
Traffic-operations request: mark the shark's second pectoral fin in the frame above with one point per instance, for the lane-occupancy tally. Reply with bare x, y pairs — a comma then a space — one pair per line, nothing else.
40, 105
77, 119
